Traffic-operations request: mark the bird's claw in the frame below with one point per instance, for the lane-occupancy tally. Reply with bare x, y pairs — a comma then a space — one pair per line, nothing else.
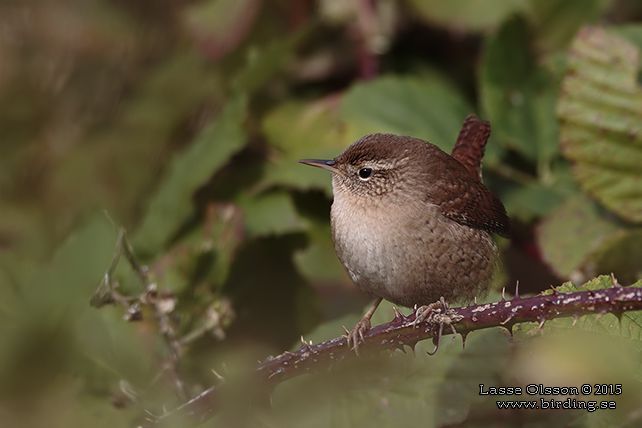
429, 312
356, 336
437, 315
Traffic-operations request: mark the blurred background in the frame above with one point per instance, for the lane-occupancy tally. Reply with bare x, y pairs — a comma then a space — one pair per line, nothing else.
181, 121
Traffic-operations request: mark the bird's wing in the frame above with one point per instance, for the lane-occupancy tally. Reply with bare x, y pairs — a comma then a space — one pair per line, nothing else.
478, 208
464, 199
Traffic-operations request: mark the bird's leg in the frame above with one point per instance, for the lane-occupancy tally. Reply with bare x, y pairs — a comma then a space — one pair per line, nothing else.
355, 336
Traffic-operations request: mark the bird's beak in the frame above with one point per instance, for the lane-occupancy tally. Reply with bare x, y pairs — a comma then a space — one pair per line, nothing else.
321, 163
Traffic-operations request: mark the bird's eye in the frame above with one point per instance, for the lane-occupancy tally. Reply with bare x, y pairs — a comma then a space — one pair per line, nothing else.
365, 173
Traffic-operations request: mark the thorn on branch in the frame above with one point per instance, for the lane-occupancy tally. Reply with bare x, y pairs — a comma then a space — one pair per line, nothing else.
463, 335
618, 315
218, 376
398, 316
614, 281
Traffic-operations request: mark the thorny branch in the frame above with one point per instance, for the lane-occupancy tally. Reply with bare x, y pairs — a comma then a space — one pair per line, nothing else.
402, 331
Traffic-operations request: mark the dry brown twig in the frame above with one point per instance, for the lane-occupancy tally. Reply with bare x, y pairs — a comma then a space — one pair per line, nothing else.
161, 305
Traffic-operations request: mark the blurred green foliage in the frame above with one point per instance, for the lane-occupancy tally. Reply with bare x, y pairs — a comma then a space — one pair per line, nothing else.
183, 120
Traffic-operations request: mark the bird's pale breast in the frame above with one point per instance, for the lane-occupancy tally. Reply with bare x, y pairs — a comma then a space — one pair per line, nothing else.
408, 253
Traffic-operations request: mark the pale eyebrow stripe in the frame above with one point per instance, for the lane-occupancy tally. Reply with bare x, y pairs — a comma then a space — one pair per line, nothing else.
385, 164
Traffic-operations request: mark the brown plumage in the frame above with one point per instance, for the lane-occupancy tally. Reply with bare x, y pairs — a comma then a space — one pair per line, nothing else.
471, 142
461, 196
411, 223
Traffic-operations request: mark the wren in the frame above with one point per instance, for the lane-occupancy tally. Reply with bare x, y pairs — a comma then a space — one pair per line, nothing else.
412, 224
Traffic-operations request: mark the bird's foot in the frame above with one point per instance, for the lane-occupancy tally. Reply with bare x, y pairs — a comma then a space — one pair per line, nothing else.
355, 336
429, 313
436, 315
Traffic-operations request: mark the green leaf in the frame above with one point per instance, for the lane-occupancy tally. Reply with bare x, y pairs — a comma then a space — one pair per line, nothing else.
171, 205
632, 32
264, 62
529, 201
620, 255
318, 261
270, 213
571, 234
297, 130
53, 317
429, 108
580, 240
600, 110
467, 15
556, 21
8, 297
518, 96
74, 272
107, 346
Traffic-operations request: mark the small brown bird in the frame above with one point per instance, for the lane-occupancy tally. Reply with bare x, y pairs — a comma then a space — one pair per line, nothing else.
412, 224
